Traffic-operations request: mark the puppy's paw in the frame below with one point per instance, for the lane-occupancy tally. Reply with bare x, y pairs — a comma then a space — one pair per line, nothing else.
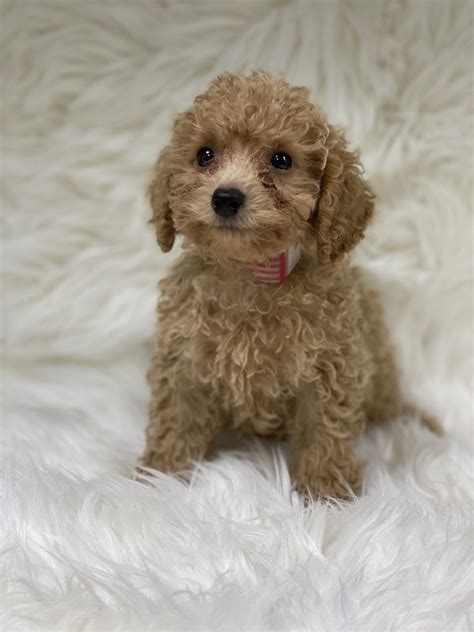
329, 487
165, 461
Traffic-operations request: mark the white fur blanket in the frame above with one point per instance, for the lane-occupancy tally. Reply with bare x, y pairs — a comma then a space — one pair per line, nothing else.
89, 92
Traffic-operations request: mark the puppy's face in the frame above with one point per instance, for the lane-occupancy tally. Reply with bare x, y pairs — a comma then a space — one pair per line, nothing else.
243, 176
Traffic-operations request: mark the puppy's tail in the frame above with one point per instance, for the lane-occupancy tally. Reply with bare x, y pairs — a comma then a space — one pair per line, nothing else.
428, 421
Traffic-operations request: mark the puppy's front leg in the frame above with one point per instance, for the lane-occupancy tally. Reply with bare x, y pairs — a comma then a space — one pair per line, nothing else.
182, 424
324, 464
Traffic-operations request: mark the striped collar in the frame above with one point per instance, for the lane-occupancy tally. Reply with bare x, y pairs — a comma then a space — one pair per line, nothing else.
279, 267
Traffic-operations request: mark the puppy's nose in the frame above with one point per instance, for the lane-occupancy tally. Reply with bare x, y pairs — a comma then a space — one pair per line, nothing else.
226, 202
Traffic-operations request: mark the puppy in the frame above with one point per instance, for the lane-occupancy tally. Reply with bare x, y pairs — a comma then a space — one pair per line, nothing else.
263, 323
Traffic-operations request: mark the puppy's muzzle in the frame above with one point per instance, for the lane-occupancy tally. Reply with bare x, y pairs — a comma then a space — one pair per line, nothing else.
227, 202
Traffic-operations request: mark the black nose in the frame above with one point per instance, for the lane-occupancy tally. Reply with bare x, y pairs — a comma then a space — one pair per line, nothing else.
226, 202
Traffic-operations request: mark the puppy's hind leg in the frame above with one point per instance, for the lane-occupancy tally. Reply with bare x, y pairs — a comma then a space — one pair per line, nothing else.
386, 402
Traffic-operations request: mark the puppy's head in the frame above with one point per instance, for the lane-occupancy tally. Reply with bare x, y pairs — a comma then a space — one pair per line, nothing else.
252, 168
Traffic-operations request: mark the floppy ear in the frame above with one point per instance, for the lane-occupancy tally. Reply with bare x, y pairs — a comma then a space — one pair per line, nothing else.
346, 201
159, 194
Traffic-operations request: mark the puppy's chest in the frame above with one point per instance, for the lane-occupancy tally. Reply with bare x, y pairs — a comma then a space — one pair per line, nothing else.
253, 343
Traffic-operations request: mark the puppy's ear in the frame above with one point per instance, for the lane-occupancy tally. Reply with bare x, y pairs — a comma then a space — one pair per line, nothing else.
159, 199
346, 202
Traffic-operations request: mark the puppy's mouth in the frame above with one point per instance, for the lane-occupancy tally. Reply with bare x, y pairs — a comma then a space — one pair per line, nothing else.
230, 227
229, 224
238, 237
246, 245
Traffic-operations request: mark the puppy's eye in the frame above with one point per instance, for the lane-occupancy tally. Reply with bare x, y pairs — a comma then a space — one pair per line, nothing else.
281, 160
204, 156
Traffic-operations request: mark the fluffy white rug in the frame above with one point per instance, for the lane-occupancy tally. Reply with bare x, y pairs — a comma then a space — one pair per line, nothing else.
89, 93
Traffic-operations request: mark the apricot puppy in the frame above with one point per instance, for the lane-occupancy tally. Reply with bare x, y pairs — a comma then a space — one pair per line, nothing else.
263, 323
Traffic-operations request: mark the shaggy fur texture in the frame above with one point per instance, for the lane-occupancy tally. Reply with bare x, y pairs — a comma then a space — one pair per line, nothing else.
309, 359
89, 90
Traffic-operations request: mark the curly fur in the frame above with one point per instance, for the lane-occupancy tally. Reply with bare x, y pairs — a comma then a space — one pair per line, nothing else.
308, 359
